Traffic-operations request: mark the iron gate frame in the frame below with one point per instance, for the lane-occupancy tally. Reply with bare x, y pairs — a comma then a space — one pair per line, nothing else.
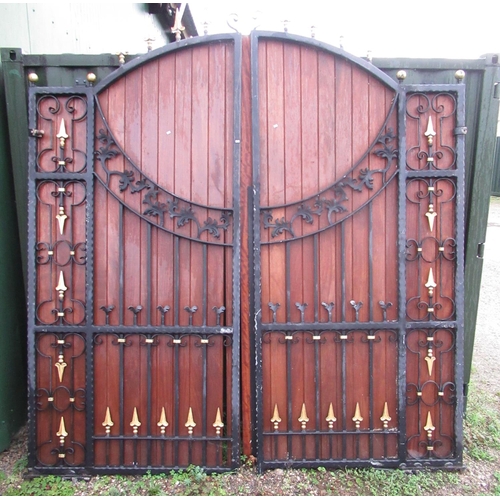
89, 330
402, 325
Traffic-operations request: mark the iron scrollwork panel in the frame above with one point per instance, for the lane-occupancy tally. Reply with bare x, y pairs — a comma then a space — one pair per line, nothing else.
434, 273
58, 250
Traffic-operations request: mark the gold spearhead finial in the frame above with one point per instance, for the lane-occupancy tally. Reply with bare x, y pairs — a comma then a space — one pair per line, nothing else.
430, 363
429, 426
60, 365
162, 423
107, 419
62, 135
61, 286
135, 424
330, 418
62, 429
276, 417
385, 418
430, 133
431, 215
218, 424
357, 419
61, 433
190, 424
61, 219
303, 419
431, 284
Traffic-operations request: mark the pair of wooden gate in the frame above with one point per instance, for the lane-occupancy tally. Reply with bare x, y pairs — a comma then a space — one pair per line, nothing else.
225, 201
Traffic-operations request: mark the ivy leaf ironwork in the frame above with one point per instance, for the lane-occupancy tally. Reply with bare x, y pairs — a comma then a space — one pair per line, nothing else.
279, 225
156, 208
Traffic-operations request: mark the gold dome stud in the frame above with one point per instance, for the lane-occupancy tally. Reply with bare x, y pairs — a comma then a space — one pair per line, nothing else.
91, 77
33, 77
460, 75
401, 75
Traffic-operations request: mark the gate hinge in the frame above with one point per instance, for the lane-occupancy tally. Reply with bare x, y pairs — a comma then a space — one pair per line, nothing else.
460, 131
36, 133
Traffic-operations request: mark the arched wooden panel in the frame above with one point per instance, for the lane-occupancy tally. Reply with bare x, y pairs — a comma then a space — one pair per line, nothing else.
326, 169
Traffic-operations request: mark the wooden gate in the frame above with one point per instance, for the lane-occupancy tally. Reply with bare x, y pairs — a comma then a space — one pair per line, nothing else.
342, 277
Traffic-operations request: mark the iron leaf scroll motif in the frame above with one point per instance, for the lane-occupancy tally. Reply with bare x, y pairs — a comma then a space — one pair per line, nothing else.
158, 202
333, 200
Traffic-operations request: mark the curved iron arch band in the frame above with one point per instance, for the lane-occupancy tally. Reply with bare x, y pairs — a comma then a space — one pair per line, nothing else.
347, 216
155, 224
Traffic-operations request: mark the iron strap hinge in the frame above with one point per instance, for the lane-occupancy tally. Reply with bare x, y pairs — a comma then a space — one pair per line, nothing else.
460, 130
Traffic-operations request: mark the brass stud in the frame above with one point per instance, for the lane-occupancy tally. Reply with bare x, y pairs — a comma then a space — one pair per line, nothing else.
460, 75
91, 77
33, 77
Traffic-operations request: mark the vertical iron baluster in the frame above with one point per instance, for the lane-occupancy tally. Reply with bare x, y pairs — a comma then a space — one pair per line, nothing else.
342, 267
204, 300
317, 385
121, 264
204, 347
176, 401
370, 311
288, 284
148, 277
149, 383
316, 278
121, 391
344, 400
370, 389
176, 281
289, 391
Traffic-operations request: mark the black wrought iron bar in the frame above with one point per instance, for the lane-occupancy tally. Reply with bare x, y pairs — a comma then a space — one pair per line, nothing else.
121, 383
160, 438
149, 397
204, 400
176, 281
317, 384
121, 266
176, 401
205, 291
149, 272
289, 390
167, 330
316, 277
370, 261
353, 432
344, 400
370, 389
327, 327
288, 283
342, 268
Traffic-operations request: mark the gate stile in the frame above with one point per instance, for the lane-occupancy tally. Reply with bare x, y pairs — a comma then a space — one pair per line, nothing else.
357, 227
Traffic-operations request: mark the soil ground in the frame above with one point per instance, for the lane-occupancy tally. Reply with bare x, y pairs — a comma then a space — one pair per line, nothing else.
481, 475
